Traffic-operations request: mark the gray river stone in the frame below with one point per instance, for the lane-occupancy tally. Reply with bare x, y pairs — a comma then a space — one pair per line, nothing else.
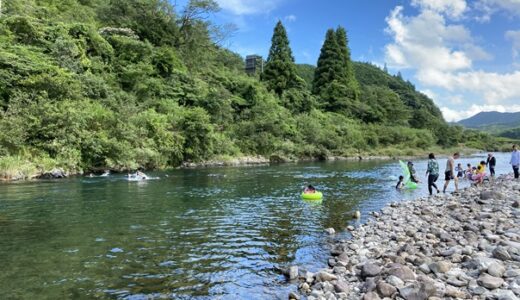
370, 270
501, 253
325, 276
440, 267
402, 272
496, 269
385, 289
371, 296
414, 291
342, 287
489, 281
395, 281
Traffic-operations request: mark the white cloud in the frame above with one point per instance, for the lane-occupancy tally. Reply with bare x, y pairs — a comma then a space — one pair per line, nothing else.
290, 18
452, 115
443, 53
248, 7
424, 42
514, 37
456, 99
491, 87
490, 7
431, 94
452, 8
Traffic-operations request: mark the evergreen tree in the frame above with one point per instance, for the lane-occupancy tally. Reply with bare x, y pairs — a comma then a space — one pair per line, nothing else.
280, 70
348, 69
329, 67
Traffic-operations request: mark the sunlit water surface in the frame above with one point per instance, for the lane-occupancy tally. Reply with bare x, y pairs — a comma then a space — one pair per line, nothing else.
205, 233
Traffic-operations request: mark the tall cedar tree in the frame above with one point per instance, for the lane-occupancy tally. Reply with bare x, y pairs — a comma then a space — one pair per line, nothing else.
329, 67
280, 71
334, 80
348, 68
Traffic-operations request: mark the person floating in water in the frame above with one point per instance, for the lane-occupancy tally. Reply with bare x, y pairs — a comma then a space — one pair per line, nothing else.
413, 176
400, 183
141, 175
138, 175
309, 190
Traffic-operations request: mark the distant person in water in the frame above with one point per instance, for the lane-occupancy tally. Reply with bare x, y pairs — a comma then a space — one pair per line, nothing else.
469, 172
400, 183
515, 161
413, 175
432, 171
309, 189
491, 162
449, 173
460, 171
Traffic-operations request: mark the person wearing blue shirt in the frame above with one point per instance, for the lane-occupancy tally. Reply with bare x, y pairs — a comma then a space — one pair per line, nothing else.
515, 160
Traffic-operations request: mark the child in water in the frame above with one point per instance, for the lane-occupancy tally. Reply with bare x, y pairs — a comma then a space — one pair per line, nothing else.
460, 171
400, 183
309, 189
469, 172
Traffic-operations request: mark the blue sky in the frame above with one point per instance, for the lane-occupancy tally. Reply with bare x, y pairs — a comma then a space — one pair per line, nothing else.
464, 54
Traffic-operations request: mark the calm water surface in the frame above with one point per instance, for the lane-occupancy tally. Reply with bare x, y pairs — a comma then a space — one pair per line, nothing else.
207, 233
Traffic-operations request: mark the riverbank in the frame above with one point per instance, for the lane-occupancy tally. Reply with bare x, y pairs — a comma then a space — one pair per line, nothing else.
380, 154
15, 168
464, 246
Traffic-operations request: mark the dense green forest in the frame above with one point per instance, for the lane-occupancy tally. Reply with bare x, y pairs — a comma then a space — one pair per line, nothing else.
127, 84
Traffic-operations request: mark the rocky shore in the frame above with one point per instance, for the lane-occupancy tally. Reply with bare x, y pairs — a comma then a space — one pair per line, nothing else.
464, 246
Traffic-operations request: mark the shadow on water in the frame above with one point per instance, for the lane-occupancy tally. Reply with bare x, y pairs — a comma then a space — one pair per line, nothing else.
205, 233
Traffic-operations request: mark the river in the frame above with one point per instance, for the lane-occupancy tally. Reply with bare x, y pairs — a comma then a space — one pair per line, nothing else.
202, 233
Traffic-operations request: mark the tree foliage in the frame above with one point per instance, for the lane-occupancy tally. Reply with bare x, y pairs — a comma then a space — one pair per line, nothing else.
334, 80
280, 70
124, 84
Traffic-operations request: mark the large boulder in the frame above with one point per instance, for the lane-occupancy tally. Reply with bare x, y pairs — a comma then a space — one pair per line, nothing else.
53, 174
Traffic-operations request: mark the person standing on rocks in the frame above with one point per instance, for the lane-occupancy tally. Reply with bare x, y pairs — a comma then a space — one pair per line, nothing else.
433, 173
450, 172
491, 163
515, 161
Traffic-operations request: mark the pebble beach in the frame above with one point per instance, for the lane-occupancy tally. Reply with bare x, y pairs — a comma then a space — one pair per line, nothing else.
448, 246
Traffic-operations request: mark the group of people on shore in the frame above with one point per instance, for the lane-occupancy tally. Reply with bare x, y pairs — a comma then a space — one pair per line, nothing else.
477, 174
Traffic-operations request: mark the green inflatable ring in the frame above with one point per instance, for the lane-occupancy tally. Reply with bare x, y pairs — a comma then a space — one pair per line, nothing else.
312, 196
410, 185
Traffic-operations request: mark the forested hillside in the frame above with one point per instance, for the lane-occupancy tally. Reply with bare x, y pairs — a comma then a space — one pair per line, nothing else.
126, 84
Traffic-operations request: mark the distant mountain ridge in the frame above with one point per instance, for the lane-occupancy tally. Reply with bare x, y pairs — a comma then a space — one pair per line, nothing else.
492, 121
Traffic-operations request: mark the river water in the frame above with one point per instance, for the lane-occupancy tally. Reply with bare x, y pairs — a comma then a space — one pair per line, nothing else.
216, 233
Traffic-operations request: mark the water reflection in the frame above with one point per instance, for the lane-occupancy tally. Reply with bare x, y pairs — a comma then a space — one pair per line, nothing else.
190, 234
